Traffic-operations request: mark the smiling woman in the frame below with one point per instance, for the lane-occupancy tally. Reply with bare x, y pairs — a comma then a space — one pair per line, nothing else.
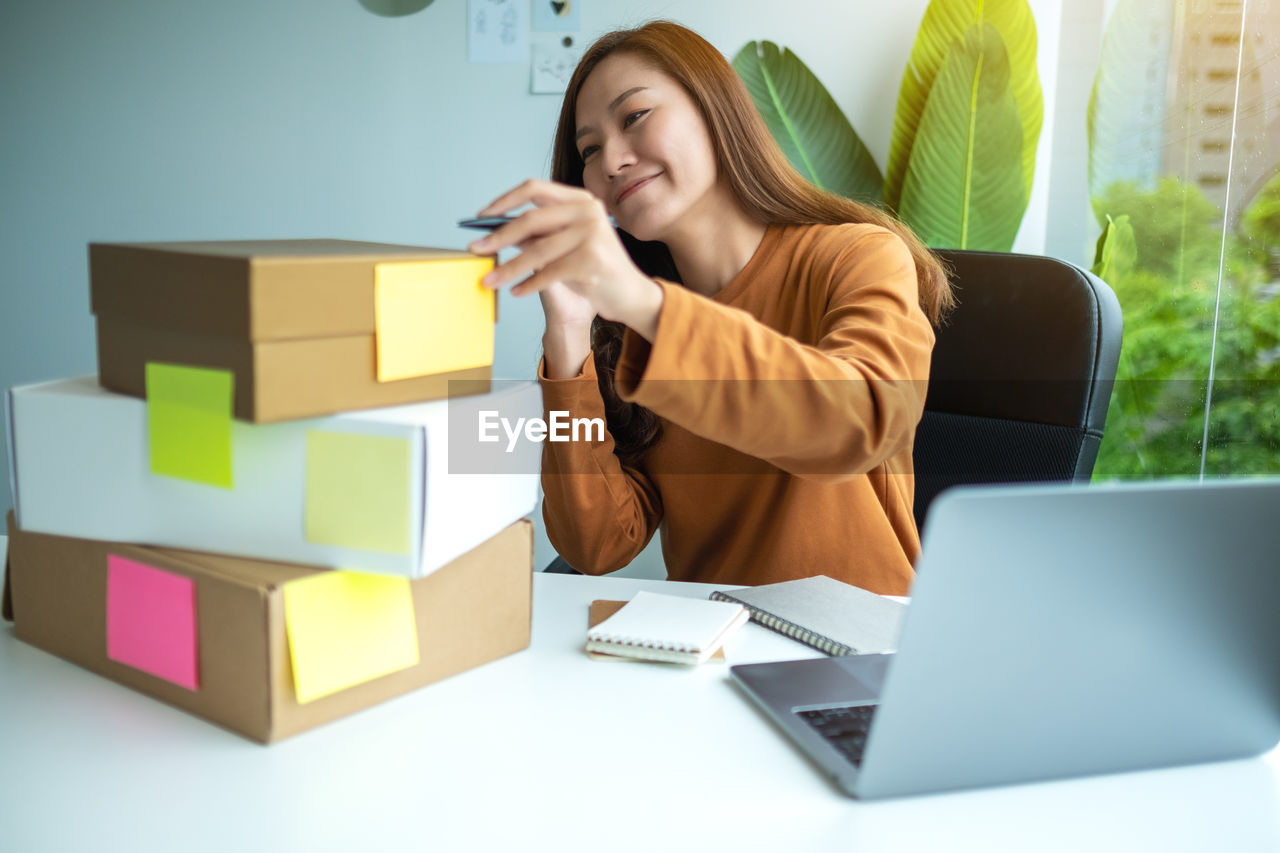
758, 348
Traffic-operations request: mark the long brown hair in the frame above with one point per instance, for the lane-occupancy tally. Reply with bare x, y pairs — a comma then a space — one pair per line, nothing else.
767, 187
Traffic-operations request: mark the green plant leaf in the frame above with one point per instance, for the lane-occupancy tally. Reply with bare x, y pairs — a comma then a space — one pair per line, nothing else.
1125, 119
1117, 250
807, 123
963, 187
944, 23
1260, 225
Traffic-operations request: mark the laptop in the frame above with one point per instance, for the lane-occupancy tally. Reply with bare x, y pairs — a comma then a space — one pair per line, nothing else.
1057, 631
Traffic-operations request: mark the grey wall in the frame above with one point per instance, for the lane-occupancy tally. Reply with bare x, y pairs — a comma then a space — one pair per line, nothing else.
149, 120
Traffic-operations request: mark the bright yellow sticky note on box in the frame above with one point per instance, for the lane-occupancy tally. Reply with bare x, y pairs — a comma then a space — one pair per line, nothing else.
346, 628
432, 317
357, 492
189, 422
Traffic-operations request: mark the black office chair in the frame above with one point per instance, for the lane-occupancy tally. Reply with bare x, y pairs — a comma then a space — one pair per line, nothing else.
1021, 376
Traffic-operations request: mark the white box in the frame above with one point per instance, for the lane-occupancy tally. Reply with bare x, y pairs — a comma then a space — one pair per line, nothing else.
80, 466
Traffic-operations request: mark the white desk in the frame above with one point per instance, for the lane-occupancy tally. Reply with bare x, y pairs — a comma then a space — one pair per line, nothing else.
544, 750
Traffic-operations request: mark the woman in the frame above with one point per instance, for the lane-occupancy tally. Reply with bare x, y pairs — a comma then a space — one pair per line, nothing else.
759, 349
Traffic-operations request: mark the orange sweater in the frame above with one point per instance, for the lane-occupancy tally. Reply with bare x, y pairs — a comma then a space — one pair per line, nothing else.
788, 401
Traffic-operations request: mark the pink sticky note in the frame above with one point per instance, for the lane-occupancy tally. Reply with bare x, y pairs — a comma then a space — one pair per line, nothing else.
151, 621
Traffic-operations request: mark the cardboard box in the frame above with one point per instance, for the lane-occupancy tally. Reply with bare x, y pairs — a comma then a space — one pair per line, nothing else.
474, 610
296, 321
79, 458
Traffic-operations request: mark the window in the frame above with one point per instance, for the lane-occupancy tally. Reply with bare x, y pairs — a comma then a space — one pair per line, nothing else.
1198, 388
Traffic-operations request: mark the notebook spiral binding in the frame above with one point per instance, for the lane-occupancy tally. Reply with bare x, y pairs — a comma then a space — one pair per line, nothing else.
642, 643
823, 644
666, 653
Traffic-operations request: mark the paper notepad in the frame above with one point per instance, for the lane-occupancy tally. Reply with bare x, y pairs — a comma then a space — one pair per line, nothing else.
653, 626
833, 617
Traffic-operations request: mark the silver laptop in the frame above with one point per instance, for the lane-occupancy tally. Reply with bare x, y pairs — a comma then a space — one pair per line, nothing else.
1057, 631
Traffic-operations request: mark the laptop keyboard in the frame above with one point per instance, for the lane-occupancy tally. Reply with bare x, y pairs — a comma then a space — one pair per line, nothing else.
844, 728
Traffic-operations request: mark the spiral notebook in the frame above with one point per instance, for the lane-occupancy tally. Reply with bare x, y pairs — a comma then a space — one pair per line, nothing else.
833, 617
668, 628
602, 608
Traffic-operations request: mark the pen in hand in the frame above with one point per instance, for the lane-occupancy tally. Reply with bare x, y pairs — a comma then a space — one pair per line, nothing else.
485, 223
490, 223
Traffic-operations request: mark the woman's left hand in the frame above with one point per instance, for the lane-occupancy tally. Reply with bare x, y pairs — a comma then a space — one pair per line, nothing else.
567, 237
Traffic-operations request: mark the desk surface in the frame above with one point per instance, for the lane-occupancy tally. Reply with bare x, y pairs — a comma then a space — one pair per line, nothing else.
542, 750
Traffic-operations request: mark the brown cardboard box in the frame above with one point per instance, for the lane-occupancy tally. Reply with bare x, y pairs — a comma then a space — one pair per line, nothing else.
472, 611
292, 319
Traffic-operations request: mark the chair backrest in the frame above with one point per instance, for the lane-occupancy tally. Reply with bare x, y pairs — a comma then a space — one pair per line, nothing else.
1021, 375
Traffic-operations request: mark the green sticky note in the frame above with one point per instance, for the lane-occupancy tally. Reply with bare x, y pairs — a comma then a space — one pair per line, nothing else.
345, 629
189, 422
358, 491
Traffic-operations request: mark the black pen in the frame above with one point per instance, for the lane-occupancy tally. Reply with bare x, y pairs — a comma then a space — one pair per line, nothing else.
489, 223
486, 223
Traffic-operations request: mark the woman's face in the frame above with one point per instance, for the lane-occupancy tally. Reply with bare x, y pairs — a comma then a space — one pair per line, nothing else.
646, 151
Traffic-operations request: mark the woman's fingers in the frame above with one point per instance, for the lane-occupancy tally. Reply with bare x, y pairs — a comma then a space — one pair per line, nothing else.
539, 222
558, 270
533, 224
535, 192
567, 237
538, 254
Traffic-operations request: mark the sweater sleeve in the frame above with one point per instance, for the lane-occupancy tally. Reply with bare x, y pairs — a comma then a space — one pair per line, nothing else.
834, 409
599, 513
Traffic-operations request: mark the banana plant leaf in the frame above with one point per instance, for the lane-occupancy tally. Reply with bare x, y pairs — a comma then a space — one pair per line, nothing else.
1125, 120
963, 187
944, 23
1117, 250
807, 123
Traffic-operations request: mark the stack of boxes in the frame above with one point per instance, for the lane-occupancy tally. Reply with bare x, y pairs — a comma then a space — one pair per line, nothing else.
235, 424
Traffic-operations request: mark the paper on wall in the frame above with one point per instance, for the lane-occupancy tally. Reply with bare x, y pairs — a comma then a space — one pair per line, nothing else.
556, 15
553, 64
497, 30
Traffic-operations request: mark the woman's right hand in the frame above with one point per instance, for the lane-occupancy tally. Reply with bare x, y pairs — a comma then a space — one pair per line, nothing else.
572, 257
566, 343
565, 310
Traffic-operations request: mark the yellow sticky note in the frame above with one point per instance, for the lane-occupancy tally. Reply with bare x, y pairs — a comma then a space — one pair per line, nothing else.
358, 491
432, 317
346, 628
189, 422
